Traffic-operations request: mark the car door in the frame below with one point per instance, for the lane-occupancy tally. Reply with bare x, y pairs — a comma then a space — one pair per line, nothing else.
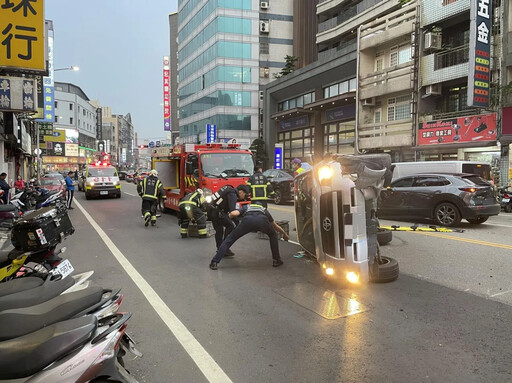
425, 193
394, 201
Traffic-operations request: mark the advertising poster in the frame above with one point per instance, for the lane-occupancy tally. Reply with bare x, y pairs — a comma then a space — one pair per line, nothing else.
477, 128
71, 150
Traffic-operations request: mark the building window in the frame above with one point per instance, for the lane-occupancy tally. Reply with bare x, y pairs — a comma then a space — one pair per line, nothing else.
56, 104
264, 48
400, 55
264, 72
84, 111
70, 106
71, 120
56, 118
399, 108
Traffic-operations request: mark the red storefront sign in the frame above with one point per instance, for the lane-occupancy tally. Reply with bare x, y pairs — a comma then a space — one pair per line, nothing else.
167, 94
479, 128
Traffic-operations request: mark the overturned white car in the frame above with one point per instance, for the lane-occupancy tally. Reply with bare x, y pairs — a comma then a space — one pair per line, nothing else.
335, 205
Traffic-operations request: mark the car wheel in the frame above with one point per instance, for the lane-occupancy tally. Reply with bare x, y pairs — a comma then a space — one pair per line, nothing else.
446, 214
386, 270
478, 220
508, 208
384, 236
278, 198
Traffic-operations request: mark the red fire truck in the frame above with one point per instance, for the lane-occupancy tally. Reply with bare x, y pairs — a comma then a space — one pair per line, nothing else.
183, 168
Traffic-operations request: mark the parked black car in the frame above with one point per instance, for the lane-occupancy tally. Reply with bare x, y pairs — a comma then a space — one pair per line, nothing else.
282, 183
445, 198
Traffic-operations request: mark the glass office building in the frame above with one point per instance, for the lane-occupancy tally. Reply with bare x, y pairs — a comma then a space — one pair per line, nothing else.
219, 61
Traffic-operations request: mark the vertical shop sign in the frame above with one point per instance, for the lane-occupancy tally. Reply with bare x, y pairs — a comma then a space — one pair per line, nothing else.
480, 53
167, 94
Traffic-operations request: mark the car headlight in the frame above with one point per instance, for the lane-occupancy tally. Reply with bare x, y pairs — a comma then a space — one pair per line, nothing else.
90, 183
324, 173
116, 183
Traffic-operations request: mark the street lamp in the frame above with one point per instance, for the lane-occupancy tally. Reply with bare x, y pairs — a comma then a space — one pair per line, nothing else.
72, 67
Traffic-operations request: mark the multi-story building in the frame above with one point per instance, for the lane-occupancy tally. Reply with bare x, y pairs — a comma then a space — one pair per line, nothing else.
77, 116
391, 77
226, 50
123, 136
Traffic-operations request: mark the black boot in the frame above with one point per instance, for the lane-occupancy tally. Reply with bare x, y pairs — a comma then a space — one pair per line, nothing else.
213, 265
229, 253
277, 263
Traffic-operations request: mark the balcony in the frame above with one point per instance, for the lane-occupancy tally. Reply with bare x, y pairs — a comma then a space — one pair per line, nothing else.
388, 28
390, 134
445, 66
390, 80
434, 11
351, 17
331, 54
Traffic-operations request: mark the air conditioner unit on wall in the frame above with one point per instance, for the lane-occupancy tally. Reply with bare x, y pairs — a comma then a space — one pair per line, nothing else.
433, 41
264, 26
264, 4
369, 101
433, 90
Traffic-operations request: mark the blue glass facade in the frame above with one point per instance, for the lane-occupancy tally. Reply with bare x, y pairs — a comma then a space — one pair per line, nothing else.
201, 41
220, 73
218, 98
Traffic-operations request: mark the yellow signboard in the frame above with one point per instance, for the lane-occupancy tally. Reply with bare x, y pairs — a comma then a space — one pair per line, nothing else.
59, 135
22, 32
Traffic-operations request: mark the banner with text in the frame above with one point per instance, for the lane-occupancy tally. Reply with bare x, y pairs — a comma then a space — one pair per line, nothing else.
167, 94
458, 130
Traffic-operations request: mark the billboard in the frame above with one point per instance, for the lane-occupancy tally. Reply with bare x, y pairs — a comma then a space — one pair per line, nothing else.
480, 53
167, 94
278, 156
71, 150
458, 130
68, 136
22, 37
211, 133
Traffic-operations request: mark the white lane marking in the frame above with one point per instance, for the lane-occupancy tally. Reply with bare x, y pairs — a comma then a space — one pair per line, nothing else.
130, 194
199, 355
498, 294
496, 224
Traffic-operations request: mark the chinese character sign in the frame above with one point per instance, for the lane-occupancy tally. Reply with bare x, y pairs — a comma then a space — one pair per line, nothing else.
167, 94
22, 44
480, 53
17, 94
211, 133
48, 99
479, 128
278, 156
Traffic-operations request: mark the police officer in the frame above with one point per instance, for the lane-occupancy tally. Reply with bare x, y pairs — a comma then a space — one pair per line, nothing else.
297, 167
223, 202
192, 207
149, 189
255, 218
260, 187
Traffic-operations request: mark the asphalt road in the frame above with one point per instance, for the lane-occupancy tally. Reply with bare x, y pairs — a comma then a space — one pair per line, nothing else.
444, 320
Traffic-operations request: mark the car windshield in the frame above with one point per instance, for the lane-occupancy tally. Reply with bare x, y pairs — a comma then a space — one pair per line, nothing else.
50, 182
227, 164
102, 172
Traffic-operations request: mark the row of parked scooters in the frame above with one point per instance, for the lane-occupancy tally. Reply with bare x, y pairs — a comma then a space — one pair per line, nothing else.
56, 327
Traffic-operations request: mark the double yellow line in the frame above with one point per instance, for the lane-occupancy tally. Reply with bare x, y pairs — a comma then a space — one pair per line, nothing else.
467, 240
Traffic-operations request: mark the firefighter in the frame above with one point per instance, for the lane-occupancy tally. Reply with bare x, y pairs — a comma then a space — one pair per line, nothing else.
149, 189
260, 187
192, 208
297, 167
255, 218
223, 202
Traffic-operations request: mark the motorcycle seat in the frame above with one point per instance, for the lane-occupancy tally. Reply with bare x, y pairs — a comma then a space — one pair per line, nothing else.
48, 290
7, 207
19, 284
18, 322
24, 356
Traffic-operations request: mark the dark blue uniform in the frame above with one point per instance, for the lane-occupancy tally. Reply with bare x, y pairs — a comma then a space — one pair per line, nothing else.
224, 202
255, 218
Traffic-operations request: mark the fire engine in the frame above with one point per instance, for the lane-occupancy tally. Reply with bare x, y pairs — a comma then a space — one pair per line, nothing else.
184, 168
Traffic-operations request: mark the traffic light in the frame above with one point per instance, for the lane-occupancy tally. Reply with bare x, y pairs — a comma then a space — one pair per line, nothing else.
142, 146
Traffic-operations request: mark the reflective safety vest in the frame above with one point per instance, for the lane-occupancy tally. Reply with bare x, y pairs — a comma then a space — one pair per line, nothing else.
259, 187
195, 199
255, 208
298, 171
150, 187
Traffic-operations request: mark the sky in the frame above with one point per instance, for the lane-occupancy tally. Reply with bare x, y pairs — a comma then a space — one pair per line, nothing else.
119, 47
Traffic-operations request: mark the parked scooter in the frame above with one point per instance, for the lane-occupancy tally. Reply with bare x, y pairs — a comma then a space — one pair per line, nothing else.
505, 198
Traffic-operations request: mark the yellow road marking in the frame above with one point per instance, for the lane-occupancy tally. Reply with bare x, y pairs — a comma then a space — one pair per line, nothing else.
467, 240
281, 209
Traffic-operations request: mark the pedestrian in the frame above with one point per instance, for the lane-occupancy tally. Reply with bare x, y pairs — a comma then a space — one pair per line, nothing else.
70, 190
254, 218
223, 202
192, 208
76, 174
5, 187
260, 187
297, 167
19, 185
149, 189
